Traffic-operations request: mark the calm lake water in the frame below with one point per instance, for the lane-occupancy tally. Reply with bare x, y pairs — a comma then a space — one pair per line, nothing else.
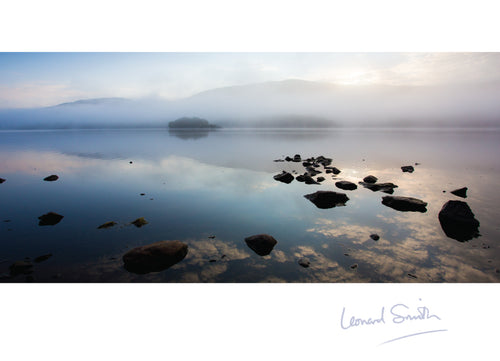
198, 185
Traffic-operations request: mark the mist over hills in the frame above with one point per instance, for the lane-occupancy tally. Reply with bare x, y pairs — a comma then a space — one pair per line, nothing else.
288, 103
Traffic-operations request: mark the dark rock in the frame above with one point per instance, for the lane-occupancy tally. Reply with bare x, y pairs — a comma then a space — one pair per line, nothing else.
370, 179
311, 171
154, 257
143, 194
284, 177
335, 170
300, 178
346, 254
42, 258
20, 267
304, 262
462, 192
212, 260
354, 266
383, 187
139, 222
297, 158
375, 237
211, 237
130, 162
288, 159
417, 163
107, 225
320, 179
458, 221
278, 160
50, 219
328, 171
405, 204
262, 244
346, 185
411, 275
2, 180
407, 168
51, 178
307, 164
309, 180
327, 199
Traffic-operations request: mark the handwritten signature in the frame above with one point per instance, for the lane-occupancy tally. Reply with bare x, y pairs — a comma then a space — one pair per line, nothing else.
398, 314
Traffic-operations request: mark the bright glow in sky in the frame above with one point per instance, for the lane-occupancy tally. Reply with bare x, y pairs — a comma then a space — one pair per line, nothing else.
43, 79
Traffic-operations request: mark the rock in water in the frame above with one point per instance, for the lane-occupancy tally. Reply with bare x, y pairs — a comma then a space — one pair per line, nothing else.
42, 258
327, 199
20, 267
107, 225
462, 192
297, 158
346, 185
2, 180
139, 222
50, 219
405, 204
51, 178
370, 179
458, 221
407, 168
375, 237
154, 257
262, 244
383, 187
304, 262
284, 177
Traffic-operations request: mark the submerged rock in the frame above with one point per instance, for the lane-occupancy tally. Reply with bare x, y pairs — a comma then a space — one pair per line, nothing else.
382, 187
154, 257
51, 178
370, 179
462, 192
42, 258
407, 168
327, 199
284, 177
139, 222
20, 267
405, 204
2, 180
107, 225
346, 185
50, 219
458, 221
304, 262
262, 244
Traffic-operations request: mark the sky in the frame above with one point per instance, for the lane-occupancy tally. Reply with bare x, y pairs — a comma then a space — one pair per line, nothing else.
45, 79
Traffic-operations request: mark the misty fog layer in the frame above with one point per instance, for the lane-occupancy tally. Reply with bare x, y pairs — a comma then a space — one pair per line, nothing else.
290, 103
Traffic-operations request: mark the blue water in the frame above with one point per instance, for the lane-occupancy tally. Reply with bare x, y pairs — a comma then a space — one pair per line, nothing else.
220, 183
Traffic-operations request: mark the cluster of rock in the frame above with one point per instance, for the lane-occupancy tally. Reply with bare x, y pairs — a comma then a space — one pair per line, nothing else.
456, 218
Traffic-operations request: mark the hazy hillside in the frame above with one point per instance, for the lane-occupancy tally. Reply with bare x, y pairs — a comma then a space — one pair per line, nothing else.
286, 103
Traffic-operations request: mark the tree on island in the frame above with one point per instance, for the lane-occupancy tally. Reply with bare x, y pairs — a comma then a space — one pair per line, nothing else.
192, 123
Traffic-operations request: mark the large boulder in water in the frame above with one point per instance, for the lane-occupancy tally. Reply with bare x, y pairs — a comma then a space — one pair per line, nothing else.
327, 199
2, 180
284, 177
405, 204
262, 244
458, 221
154, 257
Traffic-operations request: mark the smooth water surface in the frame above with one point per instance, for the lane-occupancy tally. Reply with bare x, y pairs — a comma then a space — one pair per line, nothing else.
198, 185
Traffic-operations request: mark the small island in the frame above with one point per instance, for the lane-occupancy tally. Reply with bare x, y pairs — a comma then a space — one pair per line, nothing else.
191, 123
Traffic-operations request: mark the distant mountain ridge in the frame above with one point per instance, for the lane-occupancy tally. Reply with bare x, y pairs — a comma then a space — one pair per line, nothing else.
287, 103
